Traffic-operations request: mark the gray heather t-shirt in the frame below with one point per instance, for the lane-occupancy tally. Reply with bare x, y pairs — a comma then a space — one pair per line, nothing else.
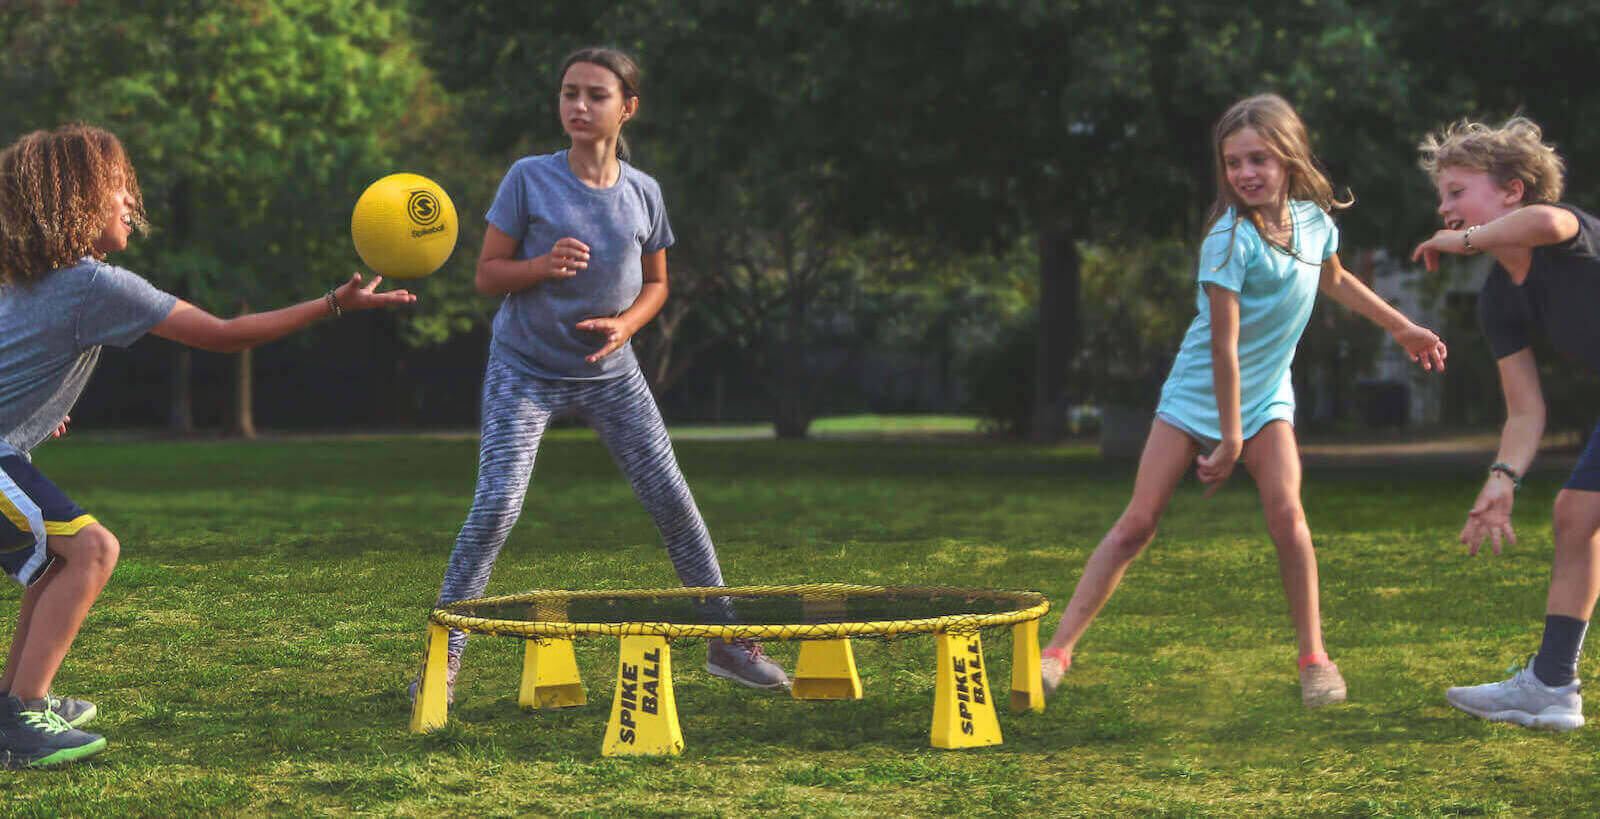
541, 201
51, 331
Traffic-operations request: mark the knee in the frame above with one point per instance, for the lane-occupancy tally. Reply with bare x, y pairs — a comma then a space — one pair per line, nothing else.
1573, 524
103, 551
94, 551
1284, 517
1131, 534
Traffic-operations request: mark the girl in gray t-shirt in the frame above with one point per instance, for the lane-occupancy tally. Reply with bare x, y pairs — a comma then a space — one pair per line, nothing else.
576, 244
67, 198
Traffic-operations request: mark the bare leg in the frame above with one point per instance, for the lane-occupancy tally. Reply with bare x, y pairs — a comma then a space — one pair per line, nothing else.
1274, 461
1575, 572
30, 599
60, 601
1167, 456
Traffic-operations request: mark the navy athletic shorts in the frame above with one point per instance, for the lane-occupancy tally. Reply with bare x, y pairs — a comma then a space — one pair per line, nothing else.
1586, 475
32, 509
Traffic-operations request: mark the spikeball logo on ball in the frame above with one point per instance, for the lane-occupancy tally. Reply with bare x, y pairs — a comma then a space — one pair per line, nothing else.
404, 226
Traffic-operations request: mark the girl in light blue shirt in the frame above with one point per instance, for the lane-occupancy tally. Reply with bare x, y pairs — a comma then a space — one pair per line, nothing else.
1268, 247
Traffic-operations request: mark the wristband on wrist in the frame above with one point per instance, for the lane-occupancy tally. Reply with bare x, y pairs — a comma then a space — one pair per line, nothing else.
1466, 239
1505, 469
332, 301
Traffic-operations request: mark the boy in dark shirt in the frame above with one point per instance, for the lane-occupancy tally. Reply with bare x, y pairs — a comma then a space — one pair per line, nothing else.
1499, 193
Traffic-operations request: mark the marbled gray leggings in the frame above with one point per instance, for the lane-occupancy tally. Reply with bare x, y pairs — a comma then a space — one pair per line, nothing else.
517, 408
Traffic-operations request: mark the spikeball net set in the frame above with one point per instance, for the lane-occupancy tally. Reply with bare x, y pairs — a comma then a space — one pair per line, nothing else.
644, 715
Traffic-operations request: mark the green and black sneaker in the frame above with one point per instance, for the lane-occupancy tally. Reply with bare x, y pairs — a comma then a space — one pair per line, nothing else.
32, 735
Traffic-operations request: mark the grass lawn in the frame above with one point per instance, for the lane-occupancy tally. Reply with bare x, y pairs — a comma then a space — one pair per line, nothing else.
251, 651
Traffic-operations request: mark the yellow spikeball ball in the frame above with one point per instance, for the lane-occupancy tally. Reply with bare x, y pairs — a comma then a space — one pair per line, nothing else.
404, 226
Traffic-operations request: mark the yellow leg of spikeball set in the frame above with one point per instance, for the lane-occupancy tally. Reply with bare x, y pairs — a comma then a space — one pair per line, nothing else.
826, 670
432, 707
550, 675
644, 714
1027, 689
963, 702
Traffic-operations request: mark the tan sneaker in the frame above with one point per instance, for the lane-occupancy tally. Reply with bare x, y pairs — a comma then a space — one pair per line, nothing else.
1321, 684
1053, 667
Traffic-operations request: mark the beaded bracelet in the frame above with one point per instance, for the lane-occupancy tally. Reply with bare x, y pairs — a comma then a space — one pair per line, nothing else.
1505, 469
333, 304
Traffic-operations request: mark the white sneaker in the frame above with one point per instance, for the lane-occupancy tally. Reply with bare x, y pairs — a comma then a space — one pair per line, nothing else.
1523, 700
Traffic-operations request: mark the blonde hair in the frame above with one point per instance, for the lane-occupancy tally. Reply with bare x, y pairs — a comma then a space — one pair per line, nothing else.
1515, 150
1280, 127
55, 195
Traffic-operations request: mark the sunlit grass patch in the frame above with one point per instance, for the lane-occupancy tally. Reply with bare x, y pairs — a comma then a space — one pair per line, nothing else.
251, 651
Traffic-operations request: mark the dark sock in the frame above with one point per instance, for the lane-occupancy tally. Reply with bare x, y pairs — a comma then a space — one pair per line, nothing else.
1557, 661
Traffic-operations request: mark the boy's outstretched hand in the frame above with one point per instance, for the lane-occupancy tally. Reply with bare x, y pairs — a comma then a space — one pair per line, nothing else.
353, 296
1444, 241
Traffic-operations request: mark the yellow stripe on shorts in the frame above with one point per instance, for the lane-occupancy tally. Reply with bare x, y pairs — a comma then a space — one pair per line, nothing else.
71, 527
13, 514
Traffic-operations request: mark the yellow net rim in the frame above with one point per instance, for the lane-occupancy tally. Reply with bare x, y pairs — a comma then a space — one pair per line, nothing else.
1030, 606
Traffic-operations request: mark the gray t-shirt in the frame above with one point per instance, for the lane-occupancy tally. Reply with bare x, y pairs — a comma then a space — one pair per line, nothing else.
51, 331
541, 201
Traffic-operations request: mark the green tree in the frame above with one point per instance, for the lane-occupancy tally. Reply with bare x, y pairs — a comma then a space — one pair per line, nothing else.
254, 125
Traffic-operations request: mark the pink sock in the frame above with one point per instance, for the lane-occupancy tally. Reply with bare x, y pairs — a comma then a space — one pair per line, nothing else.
1313, 659
1059, 654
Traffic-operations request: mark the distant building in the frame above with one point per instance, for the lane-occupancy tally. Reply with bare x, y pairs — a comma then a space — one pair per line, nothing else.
1445, 302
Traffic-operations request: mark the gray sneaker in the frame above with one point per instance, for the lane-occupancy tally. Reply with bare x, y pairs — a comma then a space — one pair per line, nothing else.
77, 713
452, 668
744, 661
1523, 700
1321, 684
34, 736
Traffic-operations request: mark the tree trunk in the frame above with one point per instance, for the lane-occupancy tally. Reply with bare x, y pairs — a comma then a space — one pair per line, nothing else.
244, 411
180, 407
180, 413
793, 417
1058, 330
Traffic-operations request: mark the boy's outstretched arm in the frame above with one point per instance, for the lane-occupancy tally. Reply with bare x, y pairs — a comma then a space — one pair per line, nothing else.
188, 324
1422, 344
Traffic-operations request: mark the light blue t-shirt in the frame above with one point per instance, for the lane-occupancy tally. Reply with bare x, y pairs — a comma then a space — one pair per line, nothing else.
541, 201
51, 331
1276, 292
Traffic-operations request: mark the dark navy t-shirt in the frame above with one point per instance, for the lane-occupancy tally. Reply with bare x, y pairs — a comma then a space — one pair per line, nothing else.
1561, 294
